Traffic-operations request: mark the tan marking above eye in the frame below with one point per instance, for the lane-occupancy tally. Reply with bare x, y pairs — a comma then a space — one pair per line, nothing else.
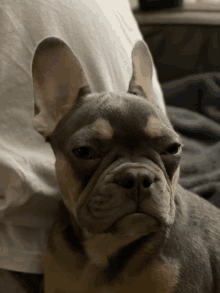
103, 127
153, 127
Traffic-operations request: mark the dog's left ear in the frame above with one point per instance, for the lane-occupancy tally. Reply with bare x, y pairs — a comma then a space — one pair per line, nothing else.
145, 75
57, 78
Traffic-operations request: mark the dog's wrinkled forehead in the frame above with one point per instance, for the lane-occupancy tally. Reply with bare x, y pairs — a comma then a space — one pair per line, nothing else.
110, 114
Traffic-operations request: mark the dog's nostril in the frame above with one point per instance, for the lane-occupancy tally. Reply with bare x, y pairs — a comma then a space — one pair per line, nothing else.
147, 182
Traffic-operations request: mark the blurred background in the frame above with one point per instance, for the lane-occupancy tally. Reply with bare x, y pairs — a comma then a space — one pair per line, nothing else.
183, 35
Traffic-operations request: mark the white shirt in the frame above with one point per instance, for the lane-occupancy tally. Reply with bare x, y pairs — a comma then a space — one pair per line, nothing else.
102, 33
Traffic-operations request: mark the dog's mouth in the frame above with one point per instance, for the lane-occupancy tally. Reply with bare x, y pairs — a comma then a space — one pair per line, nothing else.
134, 224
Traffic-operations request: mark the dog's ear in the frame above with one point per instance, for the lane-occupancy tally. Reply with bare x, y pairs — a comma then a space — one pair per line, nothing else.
145, 75
57, 78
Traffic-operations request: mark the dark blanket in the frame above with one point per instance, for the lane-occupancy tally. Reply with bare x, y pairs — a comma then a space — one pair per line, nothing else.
194, 110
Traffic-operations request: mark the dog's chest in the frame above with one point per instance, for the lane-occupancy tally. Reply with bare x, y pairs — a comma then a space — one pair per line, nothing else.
157, 278
66, 275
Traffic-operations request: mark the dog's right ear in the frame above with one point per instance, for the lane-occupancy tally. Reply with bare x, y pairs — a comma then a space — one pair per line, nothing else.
57, 78
145, 76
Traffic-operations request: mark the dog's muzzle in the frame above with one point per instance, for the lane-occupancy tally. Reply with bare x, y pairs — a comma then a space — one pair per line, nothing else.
127, 194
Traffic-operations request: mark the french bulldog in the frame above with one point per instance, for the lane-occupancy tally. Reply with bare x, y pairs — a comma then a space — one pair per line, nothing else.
124, 223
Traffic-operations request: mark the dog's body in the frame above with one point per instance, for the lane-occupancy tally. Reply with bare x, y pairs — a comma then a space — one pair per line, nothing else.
126, 224
187, 260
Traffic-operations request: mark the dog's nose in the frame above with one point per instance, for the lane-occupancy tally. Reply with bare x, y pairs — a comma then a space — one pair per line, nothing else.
134, 178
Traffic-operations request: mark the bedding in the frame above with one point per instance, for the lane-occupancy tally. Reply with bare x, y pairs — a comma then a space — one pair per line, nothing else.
194, 110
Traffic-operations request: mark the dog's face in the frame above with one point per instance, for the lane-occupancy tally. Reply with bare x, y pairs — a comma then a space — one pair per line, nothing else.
117, 155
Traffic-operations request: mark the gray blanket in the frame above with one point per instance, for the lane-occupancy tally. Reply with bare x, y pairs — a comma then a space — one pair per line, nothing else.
194, 110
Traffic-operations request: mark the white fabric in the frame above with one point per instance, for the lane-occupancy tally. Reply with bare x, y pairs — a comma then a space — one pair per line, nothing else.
102, 33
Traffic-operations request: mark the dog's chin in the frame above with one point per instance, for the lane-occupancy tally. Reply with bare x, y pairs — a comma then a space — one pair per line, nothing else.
124, 231
134, 224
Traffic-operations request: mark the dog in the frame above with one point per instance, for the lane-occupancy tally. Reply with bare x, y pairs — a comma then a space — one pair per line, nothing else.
124, 223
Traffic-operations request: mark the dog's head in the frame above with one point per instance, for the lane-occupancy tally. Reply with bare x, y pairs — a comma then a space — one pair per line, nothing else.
117, 155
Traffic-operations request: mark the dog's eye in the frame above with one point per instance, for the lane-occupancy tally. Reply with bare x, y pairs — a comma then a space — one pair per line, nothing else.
173, 149
84, 153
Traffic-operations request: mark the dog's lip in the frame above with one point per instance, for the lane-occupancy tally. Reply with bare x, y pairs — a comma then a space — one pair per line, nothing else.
134, 223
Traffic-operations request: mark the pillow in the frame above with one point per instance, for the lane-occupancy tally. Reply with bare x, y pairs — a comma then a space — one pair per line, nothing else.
102, 33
